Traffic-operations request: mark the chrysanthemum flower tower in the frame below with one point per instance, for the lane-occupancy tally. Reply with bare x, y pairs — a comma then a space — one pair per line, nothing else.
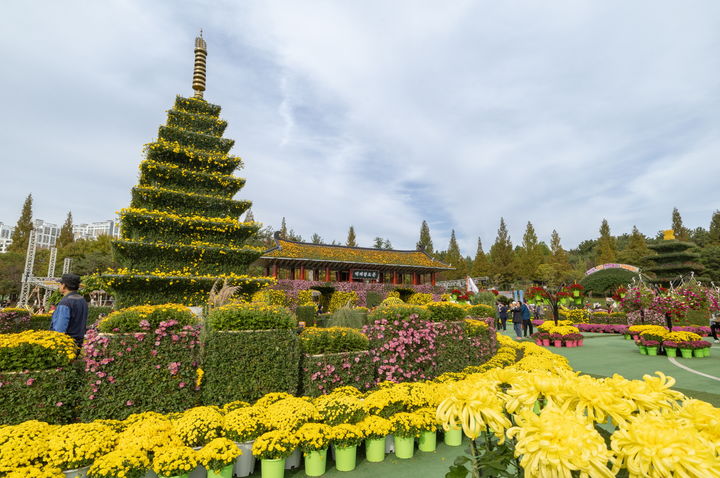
182, 232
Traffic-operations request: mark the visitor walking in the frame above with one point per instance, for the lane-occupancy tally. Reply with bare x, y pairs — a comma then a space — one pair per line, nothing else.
70, 316
502, 315
516, 310
526, 319
714, 327
538, 312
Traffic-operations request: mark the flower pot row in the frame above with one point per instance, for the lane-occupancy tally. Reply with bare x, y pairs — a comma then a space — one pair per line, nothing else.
346, 456
673, 351
560, 343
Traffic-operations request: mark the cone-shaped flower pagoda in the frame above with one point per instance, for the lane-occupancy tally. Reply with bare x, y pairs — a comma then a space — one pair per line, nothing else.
181, 232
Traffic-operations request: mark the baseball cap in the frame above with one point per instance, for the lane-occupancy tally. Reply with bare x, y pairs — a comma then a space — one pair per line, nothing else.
72, 281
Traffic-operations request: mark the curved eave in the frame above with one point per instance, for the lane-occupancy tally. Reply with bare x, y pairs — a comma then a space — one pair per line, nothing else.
320, 262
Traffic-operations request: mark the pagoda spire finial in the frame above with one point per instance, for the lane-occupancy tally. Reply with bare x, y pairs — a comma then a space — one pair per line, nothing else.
198, 83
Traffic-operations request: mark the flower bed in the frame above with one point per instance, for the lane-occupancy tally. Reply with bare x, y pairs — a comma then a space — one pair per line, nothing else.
323, 373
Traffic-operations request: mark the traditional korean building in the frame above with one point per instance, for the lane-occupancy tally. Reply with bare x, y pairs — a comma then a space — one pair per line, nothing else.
322, 262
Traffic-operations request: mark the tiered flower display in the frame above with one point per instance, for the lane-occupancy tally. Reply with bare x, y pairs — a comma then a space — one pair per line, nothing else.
181, 232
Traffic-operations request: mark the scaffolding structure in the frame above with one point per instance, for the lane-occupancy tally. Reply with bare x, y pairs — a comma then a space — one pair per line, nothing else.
30, 281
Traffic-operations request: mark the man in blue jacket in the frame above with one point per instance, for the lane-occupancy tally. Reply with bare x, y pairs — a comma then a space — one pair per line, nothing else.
526, 322
70, 316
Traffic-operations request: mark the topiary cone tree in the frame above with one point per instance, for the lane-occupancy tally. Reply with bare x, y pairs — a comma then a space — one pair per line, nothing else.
182, 232
674, 259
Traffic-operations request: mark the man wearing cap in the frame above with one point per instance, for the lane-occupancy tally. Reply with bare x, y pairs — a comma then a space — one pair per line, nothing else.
70, 316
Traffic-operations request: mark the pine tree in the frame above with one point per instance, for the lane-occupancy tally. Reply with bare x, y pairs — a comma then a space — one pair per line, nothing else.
529, 255
283, 229
351, 239
637, 250
425, 243
378, 244
681, 232
387, 244
455, 259
502, 257
560, 268
316, 239
21, 235
606, 251
480, 265
714, 232
66, 235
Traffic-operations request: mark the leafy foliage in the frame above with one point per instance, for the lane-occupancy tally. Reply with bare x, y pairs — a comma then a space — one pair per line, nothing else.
316, 341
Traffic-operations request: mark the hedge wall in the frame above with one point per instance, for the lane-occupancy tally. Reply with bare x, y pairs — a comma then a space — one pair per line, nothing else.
245, 365
324, 373
45, 395
137, 372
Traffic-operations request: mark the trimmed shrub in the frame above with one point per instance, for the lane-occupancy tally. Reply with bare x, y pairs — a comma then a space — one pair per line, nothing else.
250, 316
95, 311
307, 314
605, 281
40, 321
35, 350
245, 365
420, 299
347, 317
143, 317
46, 395
446, 311
322, 374
132, 373
400, 311
484, 297
13, 320
342, 299
482, 310
315, 341
272, 297
372, 299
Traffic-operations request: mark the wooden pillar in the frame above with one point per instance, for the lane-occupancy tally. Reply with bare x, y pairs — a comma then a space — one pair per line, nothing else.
395, 277
381, 278
267, 271
302, 272
350, 277
327, 273
292, 273
416, 278
432, 278
275, 270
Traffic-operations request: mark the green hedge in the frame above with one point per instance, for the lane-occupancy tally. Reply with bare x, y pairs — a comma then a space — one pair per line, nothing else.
606, 281
250, 316
196, 122
153, 173
307, 314
134, 373
195, 140
321, 374
158, 228
446, 311
35, 350
95, 311
168, 257
197, 106
245, 365
315, 341
186, 203
401, 312
482, 310
145, 318
129, 290
46, 395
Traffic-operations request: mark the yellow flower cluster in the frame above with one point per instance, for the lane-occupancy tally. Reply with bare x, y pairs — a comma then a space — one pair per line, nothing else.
220, 224
564, 330
245, 424
313, 436
198, 426
61, 344
374, 426
120, 463
79, 444
545, 326
419, 298
638, 329
406, 424
576, 316
345, 435
336, 408
34, 472
275, 444
218, 454
207, 160
148, 432
174, 460
681, 336
224, 180
291, 413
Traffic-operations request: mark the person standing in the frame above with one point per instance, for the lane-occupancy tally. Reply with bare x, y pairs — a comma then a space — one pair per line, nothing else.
516, 310
70, 315
526, 319
503, 315
714, 327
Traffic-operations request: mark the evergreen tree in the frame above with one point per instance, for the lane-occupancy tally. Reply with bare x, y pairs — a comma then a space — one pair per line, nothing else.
378, 244
283, 229
387, 244
560, 269
606, 251
288, 234
455, 258
480, 265
529, 255
501, 257
66, 232
425, 243
351, 239
681, 232
637, 250
714, 232
21, 235
316, 239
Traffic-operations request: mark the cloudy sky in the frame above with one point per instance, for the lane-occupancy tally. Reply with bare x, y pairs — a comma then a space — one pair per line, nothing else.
379, 114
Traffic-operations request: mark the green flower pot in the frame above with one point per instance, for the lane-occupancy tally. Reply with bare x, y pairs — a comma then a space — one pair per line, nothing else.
345, 458
226, 472
453, 437
272, 468
686, 353
652, 350
707, 352
404, 447
628, 336
427, 441
643, 349
698, 353
315, 462
375, 450
576, 293
671, 352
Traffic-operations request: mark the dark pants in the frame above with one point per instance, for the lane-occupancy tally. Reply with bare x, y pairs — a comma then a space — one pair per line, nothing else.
714, 330
503, 323
518, 329
527, 328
